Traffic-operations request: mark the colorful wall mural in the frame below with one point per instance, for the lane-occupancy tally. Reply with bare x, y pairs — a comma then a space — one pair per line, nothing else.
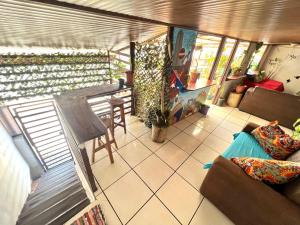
161, 76
183, 102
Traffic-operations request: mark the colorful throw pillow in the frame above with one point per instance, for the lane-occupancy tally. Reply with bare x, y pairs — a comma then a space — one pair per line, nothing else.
275, 142
269, 170
244, 145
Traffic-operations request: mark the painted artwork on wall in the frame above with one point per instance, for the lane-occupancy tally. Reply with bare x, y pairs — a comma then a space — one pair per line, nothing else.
183, 102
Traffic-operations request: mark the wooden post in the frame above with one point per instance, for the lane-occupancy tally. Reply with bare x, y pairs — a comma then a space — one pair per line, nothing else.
265, 56
109, 68
132, 56
132, 68
251, 49
224, 76
217, 59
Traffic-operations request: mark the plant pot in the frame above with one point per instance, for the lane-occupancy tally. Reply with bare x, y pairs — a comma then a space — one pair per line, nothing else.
204, 109
129, 78
159, 134
220, 102
193, 78
121, 83
240, 88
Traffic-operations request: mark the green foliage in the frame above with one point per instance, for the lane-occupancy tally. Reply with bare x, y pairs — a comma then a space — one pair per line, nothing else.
38, 75
296, 133
161, 119
57, 58
118, 69
258, 46
149, 78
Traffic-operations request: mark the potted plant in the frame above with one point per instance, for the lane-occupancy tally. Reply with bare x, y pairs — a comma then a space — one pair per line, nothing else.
118, 72
160, 126
194, 74
121, 83
236, 71
296, 133
129, 78
204, 109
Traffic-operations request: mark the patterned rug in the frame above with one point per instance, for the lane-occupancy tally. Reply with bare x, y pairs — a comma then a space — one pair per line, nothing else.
93, 217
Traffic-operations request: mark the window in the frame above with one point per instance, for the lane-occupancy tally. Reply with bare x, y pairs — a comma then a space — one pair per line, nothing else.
204, 55
239, 55
221, 67
228, 47
255, 59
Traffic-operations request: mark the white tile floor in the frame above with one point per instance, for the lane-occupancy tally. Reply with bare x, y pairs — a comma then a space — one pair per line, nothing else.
158, 184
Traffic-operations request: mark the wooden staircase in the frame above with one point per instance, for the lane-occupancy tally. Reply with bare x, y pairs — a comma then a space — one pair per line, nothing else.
58, 197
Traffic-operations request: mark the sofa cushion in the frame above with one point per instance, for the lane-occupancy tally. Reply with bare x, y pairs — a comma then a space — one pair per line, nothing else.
292, 190
275, 142
244, 145
271, 105
270, 171
245, 200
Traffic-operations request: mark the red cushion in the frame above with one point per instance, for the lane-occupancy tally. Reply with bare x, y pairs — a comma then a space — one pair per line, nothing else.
267, 84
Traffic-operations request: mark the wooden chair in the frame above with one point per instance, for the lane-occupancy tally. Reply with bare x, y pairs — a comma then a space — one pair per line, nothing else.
106, 143
117, 119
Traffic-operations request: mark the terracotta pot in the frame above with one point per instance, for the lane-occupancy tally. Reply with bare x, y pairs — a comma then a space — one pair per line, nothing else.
240, 88
193, 78
129, 78
159, 134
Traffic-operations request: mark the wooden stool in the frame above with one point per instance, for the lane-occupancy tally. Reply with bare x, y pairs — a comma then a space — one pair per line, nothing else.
107, 144
117, 103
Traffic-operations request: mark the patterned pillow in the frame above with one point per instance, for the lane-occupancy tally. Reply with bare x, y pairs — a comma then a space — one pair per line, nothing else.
275, 142
270, 171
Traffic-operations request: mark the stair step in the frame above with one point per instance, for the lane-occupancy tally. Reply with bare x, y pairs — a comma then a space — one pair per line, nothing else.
59, 175
58, 197
58, 208
41, 204
53, 190
64, 217
60, 181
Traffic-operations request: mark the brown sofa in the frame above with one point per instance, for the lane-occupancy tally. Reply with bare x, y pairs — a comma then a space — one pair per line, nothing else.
271, 105
247, 201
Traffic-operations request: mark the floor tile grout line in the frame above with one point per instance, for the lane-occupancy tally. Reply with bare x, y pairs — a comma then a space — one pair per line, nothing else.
102, 191
153, 195
132, 169
174, 171
196, 210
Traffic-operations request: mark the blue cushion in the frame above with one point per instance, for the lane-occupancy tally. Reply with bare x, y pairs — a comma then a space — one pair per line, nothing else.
244, 145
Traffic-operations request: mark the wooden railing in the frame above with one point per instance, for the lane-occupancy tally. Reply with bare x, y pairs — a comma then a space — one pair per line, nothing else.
40, 123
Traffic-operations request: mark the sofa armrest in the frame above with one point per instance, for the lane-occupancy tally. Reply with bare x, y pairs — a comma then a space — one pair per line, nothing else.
244, 200
250, 127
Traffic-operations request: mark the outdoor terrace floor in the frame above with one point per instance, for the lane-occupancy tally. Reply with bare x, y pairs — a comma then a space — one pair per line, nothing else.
152, 183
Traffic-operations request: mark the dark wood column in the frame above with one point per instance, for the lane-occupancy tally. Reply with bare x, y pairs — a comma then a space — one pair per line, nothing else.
132, 68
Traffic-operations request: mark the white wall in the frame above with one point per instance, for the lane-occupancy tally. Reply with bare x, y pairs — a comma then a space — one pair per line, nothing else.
15, 181
287, 66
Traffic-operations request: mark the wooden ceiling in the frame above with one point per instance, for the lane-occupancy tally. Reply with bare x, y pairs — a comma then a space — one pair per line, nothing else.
272, 21
113, 23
